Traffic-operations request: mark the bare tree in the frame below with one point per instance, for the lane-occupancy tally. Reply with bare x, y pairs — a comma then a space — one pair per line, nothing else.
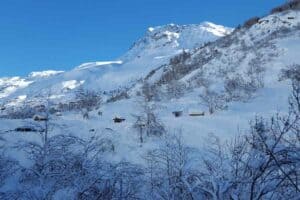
87, 100
263, 164
147, 119
213, 101
140, 126
169, 171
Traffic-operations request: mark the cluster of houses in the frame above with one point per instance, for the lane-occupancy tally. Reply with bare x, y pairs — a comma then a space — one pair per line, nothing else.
120, 119
44, 118
175, 113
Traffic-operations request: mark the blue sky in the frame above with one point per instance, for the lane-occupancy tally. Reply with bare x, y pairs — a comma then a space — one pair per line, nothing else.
37, 35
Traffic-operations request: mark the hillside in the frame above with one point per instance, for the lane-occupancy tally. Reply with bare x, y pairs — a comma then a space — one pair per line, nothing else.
111, 119
153, 50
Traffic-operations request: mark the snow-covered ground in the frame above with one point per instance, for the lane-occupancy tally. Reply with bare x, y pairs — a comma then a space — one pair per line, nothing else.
151, 52
154, 50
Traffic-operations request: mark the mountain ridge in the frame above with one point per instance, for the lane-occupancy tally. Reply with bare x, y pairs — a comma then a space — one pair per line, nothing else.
152, 53
218, 121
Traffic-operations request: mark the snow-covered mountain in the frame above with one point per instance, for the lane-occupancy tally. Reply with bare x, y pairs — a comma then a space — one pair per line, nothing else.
163, 41
259, 51
153, 50
241, 68
195, 79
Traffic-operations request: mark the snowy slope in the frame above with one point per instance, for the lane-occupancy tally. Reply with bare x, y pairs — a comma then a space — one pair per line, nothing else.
271, 44
241, 67
161, 41
153, 50
237, 55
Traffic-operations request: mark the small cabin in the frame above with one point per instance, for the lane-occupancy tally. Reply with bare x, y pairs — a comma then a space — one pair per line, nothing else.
196, 114
39, 118
25, 129
118, 120
177, 113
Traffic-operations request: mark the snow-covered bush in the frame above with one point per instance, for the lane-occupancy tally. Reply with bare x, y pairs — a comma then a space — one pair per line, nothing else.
8, 166
169, 172
291, 72
61, 162
21, 112
263, 164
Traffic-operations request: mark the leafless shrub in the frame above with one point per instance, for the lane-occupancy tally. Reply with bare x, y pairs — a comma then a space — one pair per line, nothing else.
250, 22
291, 72
175, 89
290, 5
213, 100
118, 96
8, 167
181, 58
22, 112
87, 100
147, 121
169, 172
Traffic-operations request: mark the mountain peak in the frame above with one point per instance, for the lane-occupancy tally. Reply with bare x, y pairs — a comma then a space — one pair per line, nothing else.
170, 38
219, 30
